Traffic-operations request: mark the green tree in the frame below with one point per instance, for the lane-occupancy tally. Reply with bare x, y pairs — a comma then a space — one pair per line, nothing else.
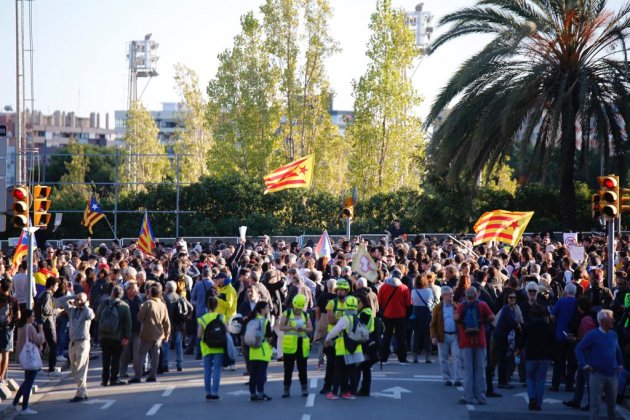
387, 140
242, 107
552, 65
76, 170
299, 42
194, 141
141, 139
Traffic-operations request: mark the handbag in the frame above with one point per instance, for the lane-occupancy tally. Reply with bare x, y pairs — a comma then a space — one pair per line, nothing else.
30, 358
353, 358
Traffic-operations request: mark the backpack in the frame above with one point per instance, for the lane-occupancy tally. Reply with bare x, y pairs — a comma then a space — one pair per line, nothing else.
182, 311
471, 319
6, 313
254, 333
109, 319
215, 333
359, 333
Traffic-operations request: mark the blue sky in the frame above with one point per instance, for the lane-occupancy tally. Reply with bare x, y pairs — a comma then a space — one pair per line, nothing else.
80, 48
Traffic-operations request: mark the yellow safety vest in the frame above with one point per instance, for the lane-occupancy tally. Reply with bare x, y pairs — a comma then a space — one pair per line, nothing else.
290, 338
340, 310
262, 353
340, 344
204, 320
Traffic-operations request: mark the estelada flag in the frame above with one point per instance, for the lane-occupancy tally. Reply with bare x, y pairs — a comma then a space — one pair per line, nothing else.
297, 174
501, 225
21, 250
146, 243
92, 214
323, 248
363, 264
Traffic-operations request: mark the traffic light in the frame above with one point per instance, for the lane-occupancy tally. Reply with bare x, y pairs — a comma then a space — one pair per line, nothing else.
41, 205
609, 194
348, 208
21, 204
596, 209
624, 199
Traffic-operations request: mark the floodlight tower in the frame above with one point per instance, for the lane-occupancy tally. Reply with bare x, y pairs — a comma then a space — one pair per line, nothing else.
142, 58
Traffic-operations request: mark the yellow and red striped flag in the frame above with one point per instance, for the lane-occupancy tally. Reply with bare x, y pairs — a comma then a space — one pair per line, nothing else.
21, 249
297, 174
501, 225
146, 243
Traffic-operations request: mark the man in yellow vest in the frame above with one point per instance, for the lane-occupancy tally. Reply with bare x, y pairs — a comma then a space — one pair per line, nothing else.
296, 345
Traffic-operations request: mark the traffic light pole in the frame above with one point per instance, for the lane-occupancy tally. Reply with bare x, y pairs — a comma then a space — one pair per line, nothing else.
30, 232
348, 221
611, 253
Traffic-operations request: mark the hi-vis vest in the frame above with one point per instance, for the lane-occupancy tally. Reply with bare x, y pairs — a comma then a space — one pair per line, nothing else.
340, 344
263, 352
290, 338
338, 307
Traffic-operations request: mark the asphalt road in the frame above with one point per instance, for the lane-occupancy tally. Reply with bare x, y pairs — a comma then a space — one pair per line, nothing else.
398, 392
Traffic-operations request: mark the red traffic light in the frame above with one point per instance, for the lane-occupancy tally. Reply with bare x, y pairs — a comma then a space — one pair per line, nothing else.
610, 183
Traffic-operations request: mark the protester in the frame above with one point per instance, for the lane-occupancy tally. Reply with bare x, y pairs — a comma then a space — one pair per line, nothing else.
259, 357
80, 319
114, 330
212, 356
296, 325
9, 316
444, 335
599, 353
28, 332
394, 300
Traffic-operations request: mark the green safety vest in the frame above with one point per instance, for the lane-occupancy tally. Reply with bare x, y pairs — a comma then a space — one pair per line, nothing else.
290, 338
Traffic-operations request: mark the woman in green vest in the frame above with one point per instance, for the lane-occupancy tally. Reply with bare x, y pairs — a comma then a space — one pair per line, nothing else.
212, 356
296, 325
259, 357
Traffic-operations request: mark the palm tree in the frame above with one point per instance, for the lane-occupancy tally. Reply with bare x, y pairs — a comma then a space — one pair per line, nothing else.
552, 66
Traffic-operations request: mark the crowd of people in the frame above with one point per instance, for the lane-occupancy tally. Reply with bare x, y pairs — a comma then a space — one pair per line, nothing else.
484, 310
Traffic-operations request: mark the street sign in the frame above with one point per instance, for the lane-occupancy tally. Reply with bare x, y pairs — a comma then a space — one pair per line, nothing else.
3, 130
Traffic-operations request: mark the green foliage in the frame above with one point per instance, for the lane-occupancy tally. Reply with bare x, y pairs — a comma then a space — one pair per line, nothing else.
195, 139
549, 68
76, 171
387, 140
219, 206
141, 139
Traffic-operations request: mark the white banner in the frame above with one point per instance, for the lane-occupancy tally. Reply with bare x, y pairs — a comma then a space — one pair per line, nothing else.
571, 243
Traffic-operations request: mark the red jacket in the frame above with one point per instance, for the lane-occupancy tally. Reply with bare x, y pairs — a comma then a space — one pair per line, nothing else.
396, 307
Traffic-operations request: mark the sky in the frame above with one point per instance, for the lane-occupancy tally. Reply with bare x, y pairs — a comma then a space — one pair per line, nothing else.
80, 48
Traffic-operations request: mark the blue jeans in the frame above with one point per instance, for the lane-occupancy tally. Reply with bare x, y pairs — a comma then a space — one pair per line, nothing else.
602, 384
212, 365
536, 375
25, 388
474, 361
177, 337
63, 335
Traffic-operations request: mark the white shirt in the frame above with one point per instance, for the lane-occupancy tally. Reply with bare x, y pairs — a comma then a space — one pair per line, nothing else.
20, 287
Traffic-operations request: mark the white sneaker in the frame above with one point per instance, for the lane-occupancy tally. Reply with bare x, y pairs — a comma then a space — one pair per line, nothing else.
28, 412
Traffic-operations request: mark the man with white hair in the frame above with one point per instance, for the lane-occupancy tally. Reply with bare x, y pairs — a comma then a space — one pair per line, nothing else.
444, 334
472, 315
179, 310
599, 354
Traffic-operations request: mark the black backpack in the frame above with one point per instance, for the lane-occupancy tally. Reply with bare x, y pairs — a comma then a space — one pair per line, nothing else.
182, 311
215, 333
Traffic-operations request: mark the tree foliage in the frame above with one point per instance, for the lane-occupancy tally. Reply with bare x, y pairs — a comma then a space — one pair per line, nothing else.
141, 139
194, 141
552, 65
73, 180
387, 140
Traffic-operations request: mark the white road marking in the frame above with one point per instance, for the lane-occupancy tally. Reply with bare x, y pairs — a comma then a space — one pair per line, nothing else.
306, 417
470, 407
154, 409
310, 401
460, 388
313, 383
168, 391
